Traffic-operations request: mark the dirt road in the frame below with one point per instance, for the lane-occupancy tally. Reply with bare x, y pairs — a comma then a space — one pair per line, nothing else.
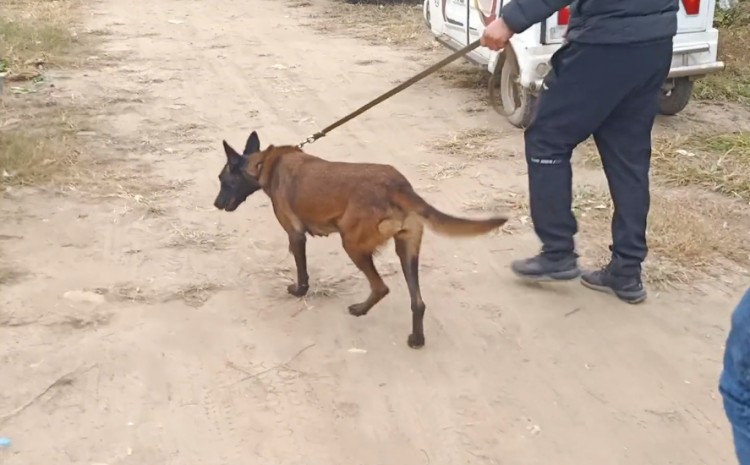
164, 333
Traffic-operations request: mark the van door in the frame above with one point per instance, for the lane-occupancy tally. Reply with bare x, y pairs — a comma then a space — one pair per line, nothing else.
455, 17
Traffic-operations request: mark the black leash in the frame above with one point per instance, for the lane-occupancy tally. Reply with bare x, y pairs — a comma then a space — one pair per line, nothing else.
391, 93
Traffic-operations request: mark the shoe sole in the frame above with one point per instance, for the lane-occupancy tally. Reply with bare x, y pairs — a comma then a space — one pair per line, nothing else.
630, 298
560, 276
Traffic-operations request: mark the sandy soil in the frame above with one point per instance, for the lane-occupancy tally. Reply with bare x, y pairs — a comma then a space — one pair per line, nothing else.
149, 328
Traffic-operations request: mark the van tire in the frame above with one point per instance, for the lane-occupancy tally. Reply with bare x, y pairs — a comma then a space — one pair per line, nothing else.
675, 100
506, 96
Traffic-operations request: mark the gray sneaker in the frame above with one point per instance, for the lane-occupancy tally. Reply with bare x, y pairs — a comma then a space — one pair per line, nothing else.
627, 288
541, 268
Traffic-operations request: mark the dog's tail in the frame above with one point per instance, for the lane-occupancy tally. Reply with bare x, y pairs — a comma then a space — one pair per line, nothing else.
443, 223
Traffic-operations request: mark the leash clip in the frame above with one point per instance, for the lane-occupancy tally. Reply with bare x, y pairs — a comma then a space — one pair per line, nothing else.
310, 139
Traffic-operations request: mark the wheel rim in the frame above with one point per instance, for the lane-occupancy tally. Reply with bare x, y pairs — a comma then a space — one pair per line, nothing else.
511, 91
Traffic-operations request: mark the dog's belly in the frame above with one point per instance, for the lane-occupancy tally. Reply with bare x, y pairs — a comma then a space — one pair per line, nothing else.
321, 229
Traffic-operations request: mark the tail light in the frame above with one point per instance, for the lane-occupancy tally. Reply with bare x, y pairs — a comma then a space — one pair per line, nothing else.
692, 7
563, 16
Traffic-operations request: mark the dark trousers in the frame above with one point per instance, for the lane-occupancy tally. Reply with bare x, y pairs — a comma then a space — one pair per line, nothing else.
610, 92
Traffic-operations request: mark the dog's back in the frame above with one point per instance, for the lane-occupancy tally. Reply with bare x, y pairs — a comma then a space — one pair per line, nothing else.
326, 180
320, 193
328, 196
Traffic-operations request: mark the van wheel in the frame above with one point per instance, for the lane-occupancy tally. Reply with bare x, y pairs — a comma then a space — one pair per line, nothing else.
675, 97
507, 96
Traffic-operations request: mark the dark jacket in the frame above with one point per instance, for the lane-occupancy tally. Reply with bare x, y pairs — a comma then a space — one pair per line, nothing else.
600, 21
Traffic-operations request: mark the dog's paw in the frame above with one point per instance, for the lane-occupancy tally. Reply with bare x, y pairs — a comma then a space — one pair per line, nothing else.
415, 341
297, 290
358, 309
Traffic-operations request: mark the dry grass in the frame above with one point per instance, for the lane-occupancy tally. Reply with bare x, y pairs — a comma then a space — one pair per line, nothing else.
732, 84
38, 153
509, 203
717, 162
691, 235
143, 205
193, 295
333, 285
140, 195
500, 202
320, 286
399, 24
49, 153
27, 159
470, 144
35, 34
183, 238
464, 75
442, 171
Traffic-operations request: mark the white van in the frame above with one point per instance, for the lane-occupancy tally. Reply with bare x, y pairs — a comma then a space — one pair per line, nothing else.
517, 71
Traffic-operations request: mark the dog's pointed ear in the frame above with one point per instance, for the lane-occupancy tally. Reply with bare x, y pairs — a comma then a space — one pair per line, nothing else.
252, 145
232, 155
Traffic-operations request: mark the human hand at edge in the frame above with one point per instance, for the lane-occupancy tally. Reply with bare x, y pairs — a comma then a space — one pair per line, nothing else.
496, 35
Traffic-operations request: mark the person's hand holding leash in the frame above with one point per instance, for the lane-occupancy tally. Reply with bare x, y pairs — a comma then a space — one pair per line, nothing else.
496, 35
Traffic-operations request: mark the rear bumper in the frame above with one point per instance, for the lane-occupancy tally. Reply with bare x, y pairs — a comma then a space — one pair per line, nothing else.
694, 60
689, 60
695, 70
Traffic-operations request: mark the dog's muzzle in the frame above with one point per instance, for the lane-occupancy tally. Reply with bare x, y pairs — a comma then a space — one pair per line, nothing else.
222, 201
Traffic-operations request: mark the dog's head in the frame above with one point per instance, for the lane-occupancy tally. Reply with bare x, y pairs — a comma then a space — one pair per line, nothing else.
239, 177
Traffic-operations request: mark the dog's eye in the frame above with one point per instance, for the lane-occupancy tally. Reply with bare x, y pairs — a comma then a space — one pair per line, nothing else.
258, 165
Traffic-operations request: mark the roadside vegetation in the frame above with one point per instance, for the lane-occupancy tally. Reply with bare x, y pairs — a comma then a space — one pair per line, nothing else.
733, 84
36, 143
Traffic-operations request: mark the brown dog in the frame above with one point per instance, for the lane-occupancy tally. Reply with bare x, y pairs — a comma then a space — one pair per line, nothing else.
367, 204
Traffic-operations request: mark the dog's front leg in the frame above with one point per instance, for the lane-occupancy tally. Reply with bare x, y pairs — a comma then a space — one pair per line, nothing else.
297, 247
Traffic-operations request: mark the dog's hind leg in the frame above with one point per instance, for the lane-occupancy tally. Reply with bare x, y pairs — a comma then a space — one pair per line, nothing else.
408, 243
378, 289
297, 246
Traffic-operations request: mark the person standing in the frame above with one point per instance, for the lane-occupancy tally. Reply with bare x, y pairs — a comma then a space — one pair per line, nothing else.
734, 383
604, 81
